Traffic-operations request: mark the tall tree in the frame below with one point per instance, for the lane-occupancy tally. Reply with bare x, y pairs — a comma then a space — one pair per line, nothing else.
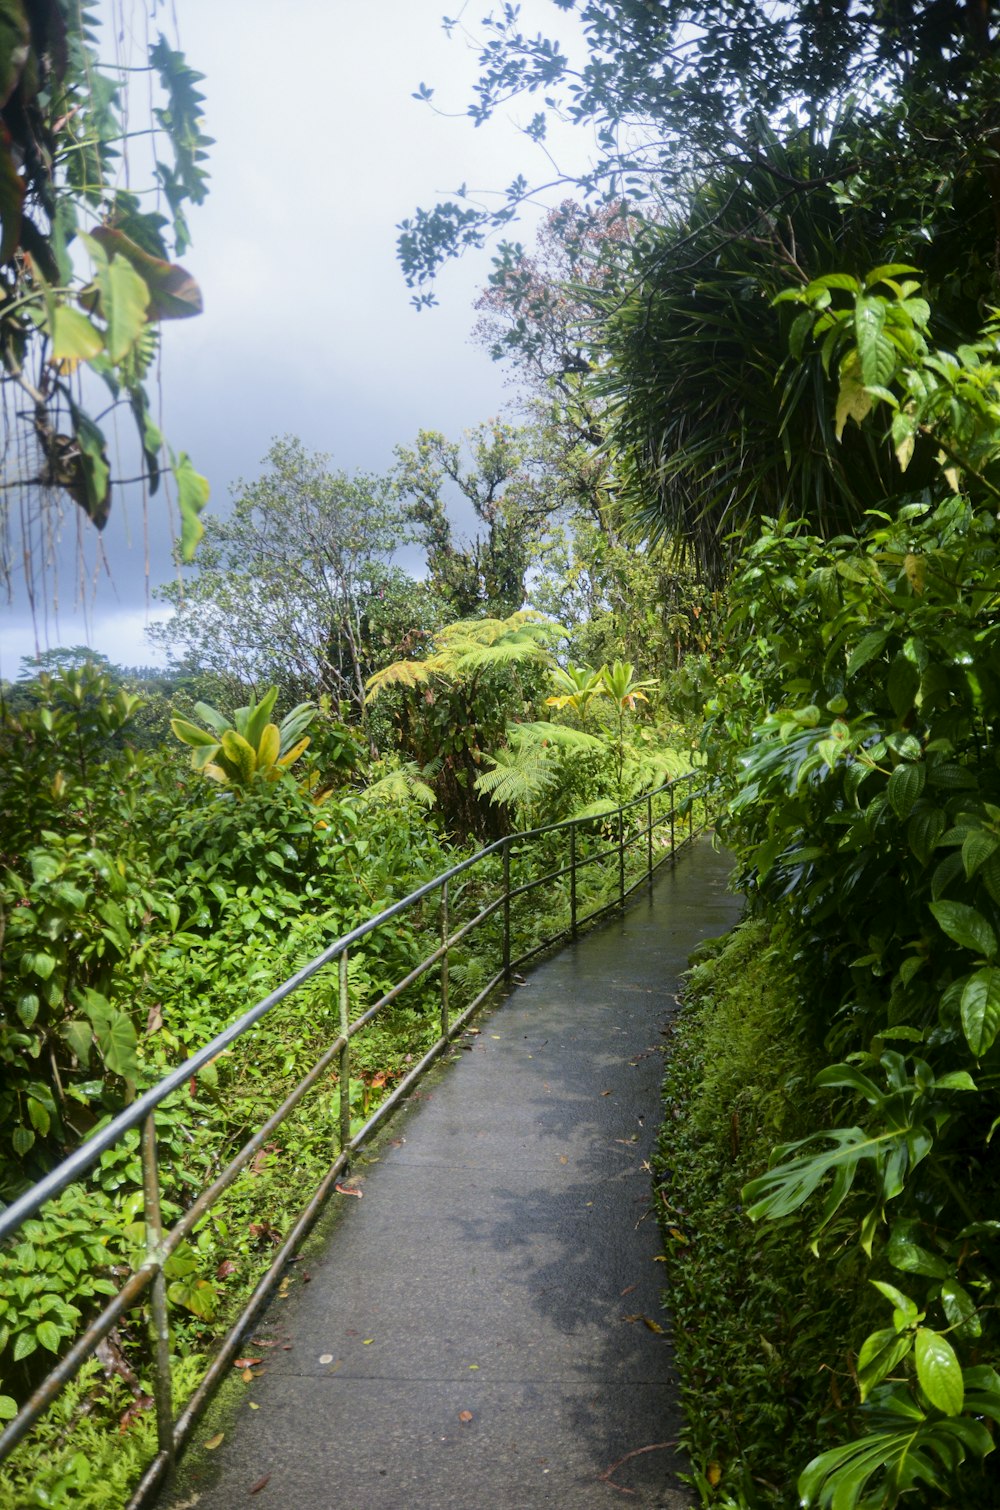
506, 488
675, 89
297, 587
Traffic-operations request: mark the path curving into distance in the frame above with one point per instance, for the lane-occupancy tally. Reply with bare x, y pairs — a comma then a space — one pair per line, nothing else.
471, 1333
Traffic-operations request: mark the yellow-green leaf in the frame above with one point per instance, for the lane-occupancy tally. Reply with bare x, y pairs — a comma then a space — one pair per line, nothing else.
74, 338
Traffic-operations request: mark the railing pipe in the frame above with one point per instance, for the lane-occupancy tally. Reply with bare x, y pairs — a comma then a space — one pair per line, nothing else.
506, 910
649, 838
160, 1244
344, 1000
572, 881
159, 1322
444, 960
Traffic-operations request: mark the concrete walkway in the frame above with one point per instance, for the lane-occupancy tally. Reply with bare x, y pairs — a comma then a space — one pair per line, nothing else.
474, 1330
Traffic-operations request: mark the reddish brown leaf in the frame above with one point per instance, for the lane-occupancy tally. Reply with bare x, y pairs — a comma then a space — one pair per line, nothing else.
465, 1416
242, 1363
347, 1190
226, 1268
260, 1484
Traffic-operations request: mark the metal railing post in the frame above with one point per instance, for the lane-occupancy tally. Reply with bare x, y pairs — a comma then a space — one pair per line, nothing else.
159, 1310
506, 911
673, 820
345, 1057
572, 880
444, 959
621, 858
649, 838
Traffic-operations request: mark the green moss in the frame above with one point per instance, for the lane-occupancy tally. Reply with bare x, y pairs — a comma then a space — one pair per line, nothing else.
753, 1309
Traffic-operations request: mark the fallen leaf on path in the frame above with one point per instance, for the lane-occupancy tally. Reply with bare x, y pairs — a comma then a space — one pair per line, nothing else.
348, 1190
367, 1341
563, 1158
326, 1357
629, 1288
465, 1416
254, 1405
242, 1363
260, 1484
654, 1326
213, 1442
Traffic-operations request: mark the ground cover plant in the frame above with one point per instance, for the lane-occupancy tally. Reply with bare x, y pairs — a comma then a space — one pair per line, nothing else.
150, 894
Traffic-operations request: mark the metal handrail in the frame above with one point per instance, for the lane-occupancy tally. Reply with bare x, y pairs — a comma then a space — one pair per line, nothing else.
160, 1243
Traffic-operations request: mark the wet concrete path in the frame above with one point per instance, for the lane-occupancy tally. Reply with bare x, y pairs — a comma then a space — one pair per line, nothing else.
472, 1331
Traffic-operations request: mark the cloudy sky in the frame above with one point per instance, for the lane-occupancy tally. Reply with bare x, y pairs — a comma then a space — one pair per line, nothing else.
308, 330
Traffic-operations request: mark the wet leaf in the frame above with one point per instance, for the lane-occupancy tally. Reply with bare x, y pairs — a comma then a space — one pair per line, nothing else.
242, 1363
260, 1484
213, 1442
465, 1416
348, 1190
654, 1326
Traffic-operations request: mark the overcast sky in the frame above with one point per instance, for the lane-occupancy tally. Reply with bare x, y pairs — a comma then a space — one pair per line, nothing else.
308, 329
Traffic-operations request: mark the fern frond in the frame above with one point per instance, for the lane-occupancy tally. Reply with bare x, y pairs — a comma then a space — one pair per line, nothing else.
399, 674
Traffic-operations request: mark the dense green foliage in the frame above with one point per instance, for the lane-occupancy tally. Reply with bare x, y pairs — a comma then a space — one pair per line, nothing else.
86, 274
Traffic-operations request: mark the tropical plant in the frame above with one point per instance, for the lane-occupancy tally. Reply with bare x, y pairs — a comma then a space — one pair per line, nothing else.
85, 269
246, 748
454, 706
867, 814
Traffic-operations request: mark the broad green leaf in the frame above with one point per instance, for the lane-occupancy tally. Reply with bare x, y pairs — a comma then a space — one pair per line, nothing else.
907, 1312
853, 399
966, 926
190, 734
90, 487
25, 1343
117, 1042
48, 1335
192, 496
38, 1116
871, 645
924, 830
939, 1371
74, 338
903, 685
960, 1310
905, 786
979, 845
79, 1036
8, 1408
124, 301
242, 756
879, 1355
39, 964
981, 1010
268, 747
172, 292
27, 1008
259, 716
909, 1258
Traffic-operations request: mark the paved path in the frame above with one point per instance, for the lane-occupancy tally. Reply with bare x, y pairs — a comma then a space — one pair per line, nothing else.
500, 1263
